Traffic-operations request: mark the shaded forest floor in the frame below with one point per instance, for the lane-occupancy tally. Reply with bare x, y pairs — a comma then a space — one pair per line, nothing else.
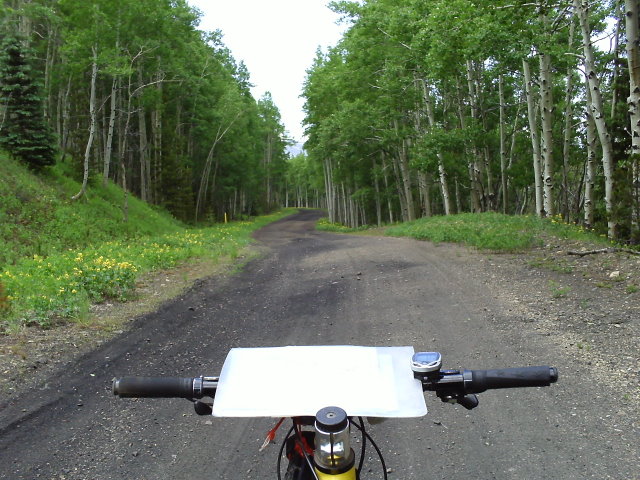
589, 305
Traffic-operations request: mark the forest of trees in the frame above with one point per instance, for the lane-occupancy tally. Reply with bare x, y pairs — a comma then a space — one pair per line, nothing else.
133, 92
444, 106
423, 108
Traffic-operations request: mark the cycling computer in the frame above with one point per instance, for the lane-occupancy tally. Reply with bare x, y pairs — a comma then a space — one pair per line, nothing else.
426, 362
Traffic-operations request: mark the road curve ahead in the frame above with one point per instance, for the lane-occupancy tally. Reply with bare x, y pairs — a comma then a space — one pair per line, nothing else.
313, 288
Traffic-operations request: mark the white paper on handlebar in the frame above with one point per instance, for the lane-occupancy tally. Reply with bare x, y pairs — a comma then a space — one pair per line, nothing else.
300, 380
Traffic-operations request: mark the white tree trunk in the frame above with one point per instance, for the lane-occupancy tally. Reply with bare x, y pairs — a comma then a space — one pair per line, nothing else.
376, 184
109, 145
632, 14
568, 117
424, 183
474, 190
442, 172
546, 114
385, 176
503, 148
597, 110
144, 154
156, 125
533, 130
92, 126
477, 198
590, 169
204, 179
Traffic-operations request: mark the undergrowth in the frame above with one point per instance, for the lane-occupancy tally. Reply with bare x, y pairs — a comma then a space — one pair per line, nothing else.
326, 226
488, 231
59, 256
43, 291
38, 217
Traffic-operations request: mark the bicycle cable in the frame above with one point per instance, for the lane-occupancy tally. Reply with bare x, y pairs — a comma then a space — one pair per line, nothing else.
384, 466
301, 444
364, 445
284, 443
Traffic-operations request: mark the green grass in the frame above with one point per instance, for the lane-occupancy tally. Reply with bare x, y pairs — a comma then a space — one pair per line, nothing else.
324, 225
59, 256
38, 217
491, 231
42, 291
558, 291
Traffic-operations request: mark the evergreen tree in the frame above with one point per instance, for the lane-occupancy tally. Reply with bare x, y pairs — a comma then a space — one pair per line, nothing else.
23, 132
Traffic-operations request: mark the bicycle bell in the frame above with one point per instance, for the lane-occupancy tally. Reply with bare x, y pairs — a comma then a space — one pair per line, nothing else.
333, 453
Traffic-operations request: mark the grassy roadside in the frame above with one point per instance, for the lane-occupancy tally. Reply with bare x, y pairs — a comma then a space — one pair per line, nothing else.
59, 257
487, 231
44, 291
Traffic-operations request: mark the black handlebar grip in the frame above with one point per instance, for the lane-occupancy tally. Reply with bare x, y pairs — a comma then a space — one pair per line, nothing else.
153, 387
511, 378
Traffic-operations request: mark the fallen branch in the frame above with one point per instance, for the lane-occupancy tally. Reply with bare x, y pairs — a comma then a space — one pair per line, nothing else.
603, 250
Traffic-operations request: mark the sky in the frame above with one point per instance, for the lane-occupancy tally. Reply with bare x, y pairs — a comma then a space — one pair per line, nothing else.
277, 40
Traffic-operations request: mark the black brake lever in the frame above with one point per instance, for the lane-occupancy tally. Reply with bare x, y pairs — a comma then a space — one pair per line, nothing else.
468, 401
203, 408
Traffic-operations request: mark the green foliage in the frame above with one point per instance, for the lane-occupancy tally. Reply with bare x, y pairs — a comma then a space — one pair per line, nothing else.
417, 83
45, 290
23, 130
326, 226
491, 231
182, 107
37, 216
4, 300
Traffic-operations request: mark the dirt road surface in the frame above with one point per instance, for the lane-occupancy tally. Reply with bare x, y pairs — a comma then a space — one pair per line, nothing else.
313, 288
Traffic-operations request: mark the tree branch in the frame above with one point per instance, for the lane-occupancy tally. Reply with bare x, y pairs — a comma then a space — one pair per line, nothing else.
603, 250
404, 45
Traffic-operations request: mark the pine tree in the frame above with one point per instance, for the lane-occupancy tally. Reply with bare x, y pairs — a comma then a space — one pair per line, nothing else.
24, 132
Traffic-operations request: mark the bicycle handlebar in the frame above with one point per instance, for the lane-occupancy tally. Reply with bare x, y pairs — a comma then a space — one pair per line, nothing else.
460, 386
511, 378
447, 384
164, 387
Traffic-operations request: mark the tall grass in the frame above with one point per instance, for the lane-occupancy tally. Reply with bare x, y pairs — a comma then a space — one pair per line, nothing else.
492, 231
42, 291
37, 216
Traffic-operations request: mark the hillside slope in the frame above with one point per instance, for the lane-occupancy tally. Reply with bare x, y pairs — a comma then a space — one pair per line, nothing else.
38, 217
62, 256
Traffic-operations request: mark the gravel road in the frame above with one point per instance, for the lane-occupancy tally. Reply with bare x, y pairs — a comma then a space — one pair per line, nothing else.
312, 288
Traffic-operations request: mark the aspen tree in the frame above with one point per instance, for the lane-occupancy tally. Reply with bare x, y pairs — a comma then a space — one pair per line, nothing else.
533, 132
597, 109
92, 125
632, 17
